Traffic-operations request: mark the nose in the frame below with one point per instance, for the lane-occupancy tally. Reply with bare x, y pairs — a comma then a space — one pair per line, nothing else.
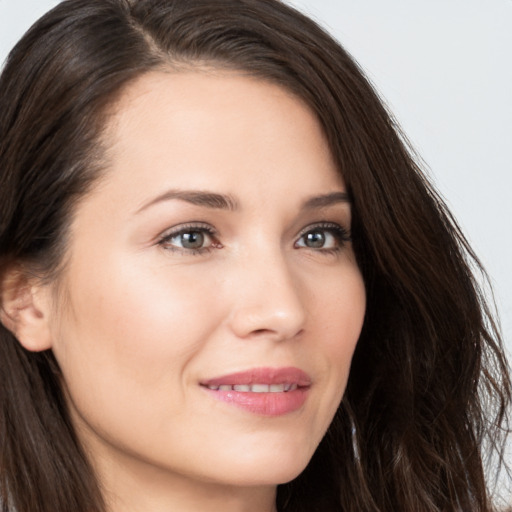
267, 300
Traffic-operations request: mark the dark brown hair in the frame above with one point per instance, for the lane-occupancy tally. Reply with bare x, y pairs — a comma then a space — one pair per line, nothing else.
429, 384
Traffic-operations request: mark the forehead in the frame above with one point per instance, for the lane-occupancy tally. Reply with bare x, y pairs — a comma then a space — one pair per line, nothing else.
211, 96
216, 129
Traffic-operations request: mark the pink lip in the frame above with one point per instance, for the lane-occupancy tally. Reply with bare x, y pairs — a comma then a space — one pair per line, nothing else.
269, 376
266, 403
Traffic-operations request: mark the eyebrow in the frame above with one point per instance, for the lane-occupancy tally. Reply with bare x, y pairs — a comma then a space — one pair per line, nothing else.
226, 202
196, 197
325, 200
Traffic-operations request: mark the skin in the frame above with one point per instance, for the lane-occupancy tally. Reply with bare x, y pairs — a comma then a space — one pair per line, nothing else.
138, 323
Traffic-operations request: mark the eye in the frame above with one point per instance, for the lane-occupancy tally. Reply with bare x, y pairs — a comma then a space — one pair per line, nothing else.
189, 239
323, 237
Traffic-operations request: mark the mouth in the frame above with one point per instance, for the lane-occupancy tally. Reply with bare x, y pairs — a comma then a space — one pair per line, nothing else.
255, 388
262, 391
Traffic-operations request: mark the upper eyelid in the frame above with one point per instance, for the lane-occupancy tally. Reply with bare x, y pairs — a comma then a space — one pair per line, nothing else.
324, 225
189, 226
208, 227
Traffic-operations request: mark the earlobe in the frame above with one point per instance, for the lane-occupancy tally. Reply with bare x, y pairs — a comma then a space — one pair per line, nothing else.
24, 310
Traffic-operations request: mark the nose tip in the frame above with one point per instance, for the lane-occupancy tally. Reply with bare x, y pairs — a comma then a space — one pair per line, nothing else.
260, 321
268, 307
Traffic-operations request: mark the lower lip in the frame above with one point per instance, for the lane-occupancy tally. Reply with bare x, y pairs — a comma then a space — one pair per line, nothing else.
264, 404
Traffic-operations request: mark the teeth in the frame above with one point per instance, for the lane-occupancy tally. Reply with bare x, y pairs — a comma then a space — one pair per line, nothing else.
256, 388
260, 388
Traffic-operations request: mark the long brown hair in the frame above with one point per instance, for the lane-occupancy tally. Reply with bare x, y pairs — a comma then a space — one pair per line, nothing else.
429, 385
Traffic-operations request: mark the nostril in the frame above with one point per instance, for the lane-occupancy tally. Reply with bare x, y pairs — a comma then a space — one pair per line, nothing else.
274, 334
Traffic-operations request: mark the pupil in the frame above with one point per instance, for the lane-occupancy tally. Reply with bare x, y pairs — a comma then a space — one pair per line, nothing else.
315, 239
192, 240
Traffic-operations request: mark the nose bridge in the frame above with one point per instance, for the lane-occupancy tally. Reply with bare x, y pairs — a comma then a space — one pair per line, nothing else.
267, 299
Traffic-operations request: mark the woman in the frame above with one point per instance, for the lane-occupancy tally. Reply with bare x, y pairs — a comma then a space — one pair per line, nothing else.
207, 220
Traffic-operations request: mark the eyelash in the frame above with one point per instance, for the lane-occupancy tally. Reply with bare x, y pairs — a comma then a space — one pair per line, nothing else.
341, 235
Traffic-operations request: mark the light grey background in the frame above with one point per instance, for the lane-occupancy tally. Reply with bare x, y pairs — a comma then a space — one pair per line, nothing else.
444, 67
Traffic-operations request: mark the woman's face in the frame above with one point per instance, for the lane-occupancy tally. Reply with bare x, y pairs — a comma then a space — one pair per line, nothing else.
215, 253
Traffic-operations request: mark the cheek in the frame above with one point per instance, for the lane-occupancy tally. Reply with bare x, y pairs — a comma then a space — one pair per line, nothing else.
129, 334
340, 311
340, 317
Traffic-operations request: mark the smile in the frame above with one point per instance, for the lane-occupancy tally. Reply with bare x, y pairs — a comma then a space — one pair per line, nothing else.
262, 391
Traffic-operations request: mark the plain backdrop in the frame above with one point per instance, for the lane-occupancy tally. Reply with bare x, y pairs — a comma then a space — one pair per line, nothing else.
444, 68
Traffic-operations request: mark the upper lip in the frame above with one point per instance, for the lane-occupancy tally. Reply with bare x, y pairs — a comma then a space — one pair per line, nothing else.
285, 375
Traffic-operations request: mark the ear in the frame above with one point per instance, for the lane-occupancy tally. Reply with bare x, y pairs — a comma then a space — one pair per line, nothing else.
25, 309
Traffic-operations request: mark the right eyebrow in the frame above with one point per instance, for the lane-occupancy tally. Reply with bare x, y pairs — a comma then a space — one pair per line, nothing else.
197, 197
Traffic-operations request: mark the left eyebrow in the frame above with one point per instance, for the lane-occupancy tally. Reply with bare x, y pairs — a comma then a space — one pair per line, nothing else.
325, 200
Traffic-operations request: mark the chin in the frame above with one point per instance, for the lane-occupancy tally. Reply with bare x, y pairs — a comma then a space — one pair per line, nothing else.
266, 467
